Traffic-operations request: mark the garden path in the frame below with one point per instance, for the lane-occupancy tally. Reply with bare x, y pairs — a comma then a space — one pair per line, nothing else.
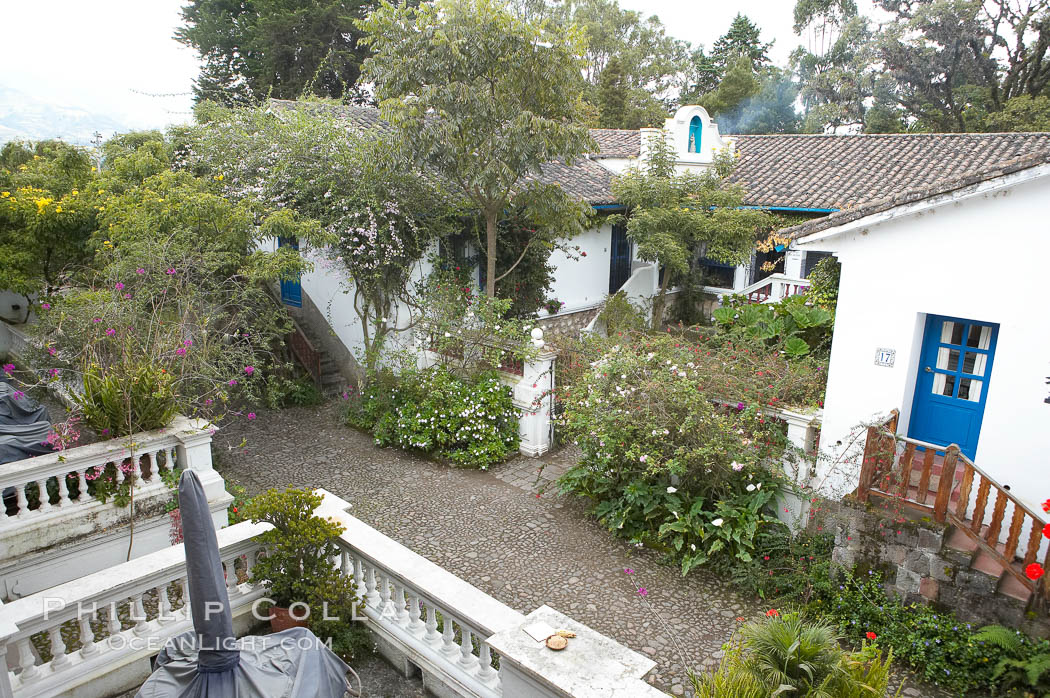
500, 531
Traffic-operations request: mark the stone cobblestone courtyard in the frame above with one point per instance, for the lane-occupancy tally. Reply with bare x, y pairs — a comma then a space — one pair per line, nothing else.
505, 531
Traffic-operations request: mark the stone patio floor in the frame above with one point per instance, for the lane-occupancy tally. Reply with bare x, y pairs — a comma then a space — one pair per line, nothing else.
505, 531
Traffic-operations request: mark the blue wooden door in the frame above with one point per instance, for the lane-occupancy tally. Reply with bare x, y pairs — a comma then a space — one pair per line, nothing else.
620, 258
291, 289
952, 387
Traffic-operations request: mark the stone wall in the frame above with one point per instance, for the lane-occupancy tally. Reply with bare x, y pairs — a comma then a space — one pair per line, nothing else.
920, 565
568, 324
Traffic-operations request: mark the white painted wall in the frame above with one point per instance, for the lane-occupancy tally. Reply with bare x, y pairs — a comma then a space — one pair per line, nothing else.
328, 288
617, 165
583, 283
975, 255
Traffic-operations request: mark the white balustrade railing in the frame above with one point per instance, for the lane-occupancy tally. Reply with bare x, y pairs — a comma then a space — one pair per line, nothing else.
93, 636
429, 616
101, 627
775, 287
35, 487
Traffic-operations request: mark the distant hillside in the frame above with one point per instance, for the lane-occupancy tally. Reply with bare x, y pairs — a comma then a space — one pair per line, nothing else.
23, 117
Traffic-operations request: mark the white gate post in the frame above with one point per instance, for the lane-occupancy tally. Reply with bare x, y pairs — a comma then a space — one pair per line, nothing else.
533, 395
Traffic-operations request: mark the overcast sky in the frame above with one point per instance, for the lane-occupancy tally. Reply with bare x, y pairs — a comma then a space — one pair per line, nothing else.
102, 56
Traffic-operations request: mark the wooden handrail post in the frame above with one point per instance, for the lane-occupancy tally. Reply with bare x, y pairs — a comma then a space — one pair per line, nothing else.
867, 464
944, 487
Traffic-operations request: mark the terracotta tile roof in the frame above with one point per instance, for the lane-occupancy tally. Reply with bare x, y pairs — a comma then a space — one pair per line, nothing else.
584, 178
944, 185
838, 172
617, 142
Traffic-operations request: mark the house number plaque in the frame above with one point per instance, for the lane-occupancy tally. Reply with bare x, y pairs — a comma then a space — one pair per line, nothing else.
885, 357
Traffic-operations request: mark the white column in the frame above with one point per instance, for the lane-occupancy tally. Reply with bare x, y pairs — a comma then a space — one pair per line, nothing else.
194, 449
7, 630
793, 263
799, 465
739, 277
532, 395
193, 452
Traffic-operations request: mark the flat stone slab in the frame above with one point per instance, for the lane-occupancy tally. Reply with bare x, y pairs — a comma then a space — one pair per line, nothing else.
590, 665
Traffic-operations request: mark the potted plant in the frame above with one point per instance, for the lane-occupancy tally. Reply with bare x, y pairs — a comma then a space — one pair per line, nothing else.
553, 306
297, 565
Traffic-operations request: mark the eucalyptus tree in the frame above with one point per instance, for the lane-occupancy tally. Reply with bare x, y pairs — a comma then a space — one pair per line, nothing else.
485, 99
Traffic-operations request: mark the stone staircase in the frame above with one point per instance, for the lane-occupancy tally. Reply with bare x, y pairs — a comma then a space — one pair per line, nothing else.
308, 350
961, 547
987, 536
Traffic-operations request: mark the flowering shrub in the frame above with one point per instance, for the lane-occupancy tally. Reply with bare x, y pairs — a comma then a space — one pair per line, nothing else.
470, 422
666, 463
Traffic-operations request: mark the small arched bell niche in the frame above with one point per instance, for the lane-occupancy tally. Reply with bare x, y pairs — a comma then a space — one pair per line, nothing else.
696, 126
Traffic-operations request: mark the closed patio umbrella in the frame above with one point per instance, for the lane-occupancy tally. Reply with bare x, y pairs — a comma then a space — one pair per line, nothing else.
209, 661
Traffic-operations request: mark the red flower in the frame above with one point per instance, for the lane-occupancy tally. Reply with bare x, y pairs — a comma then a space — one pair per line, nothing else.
870, 635
1034, 571
771, 613
1046, 530
1046, 506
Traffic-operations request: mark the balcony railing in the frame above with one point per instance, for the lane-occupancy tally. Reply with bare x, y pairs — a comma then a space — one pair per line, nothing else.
775, 287
92, 637
51, 519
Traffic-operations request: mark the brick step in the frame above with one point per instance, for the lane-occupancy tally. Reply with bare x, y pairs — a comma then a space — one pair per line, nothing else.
985, 563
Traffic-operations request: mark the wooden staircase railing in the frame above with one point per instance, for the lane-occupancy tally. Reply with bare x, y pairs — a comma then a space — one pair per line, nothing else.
887, 471
305, 352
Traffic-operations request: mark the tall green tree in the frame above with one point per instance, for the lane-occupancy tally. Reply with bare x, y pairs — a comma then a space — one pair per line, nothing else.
379, 215
741, 39
837, 71
674, 218
737, 85
644, 63
769, 110
707, 71
251, 49
957, 61
486, 99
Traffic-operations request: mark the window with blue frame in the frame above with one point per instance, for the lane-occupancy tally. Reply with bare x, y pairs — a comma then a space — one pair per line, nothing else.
695, 129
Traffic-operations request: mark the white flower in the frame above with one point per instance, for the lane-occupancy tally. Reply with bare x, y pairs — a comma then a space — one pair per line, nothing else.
671, 490
447, 334
737, 466
643, 458
750, 488
692, 546
718, 522
758, 486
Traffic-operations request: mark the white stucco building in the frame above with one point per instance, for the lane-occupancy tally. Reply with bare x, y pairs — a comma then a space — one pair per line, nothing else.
919, 328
